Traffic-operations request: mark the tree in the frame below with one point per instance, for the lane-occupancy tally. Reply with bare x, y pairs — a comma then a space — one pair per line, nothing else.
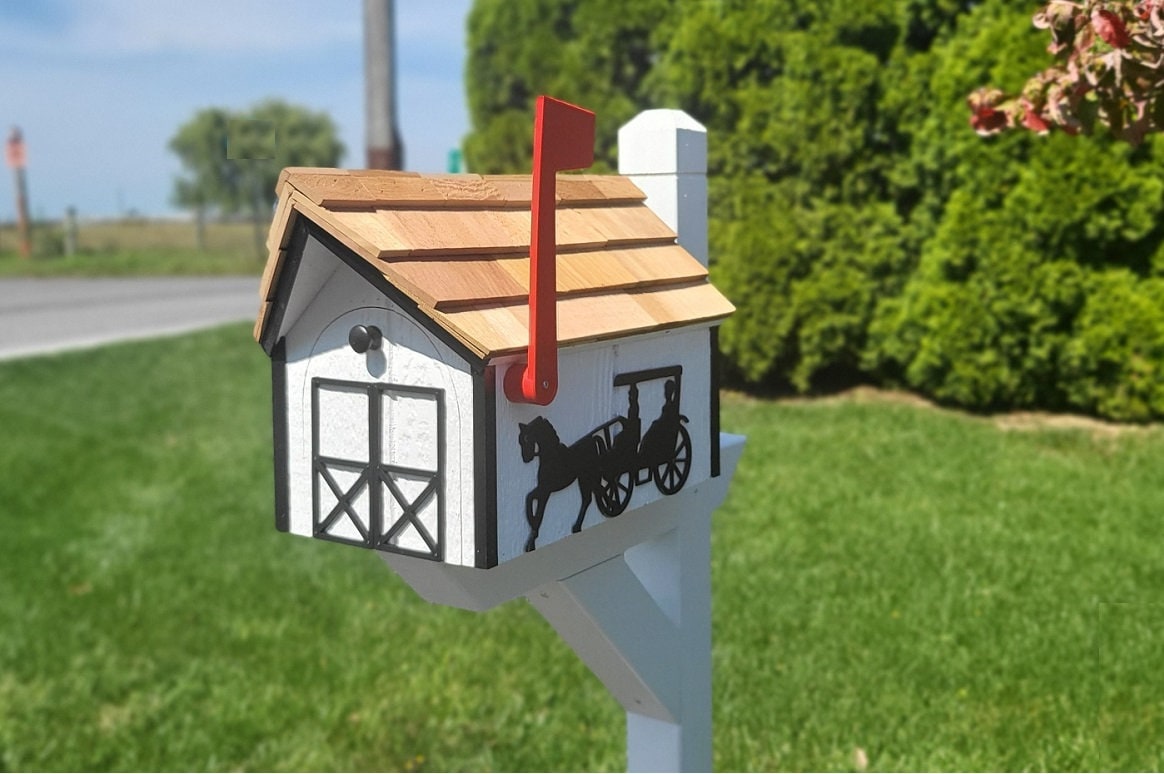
863, 232
231, 160
596, 53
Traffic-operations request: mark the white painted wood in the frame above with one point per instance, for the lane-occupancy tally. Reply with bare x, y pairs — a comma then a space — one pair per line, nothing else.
469, 588
640, 621
586, 400
316, 266
662, 141
630, 594
664, 152
657, 745
317, 346
618, 630
675, 569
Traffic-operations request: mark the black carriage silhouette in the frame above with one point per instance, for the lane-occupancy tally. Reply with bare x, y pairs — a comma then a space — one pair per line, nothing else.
613, 458
632, 458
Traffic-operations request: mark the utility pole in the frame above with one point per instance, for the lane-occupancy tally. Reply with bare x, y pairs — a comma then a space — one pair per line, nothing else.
385, 150
15, 155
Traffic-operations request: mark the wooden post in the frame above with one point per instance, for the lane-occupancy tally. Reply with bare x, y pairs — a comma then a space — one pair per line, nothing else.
200, 227
70, 231
385, 149
632, 596
640, 619
665, 153
16, 159
642, 623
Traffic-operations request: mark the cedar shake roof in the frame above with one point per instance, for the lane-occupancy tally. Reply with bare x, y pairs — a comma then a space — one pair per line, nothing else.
458, 245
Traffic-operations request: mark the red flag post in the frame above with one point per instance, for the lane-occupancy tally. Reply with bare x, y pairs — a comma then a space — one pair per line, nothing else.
563, 139
14, 153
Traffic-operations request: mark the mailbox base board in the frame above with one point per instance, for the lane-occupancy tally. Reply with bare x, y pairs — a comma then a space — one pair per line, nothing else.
477, 589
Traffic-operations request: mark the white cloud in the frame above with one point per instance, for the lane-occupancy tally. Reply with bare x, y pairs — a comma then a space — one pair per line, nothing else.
115, 28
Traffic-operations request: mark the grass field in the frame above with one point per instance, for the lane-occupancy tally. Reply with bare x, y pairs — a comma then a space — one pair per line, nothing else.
133, 247
918, 584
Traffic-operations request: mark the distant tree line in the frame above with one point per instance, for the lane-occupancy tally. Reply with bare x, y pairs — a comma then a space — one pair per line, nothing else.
231, 159
862, 227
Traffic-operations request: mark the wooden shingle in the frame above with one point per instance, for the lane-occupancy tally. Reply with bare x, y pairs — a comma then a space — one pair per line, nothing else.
458, 245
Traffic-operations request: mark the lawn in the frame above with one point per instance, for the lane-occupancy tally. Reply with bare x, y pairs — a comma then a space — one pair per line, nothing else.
919, 584
133, 247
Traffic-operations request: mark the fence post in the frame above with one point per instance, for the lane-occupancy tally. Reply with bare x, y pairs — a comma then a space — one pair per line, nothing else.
70, 231
664, 152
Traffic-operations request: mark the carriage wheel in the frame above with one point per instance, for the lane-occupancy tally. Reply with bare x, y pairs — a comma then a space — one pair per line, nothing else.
670, 475
616, 493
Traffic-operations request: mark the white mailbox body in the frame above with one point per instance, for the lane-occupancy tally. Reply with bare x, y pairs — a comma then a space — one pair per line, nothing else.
411, 446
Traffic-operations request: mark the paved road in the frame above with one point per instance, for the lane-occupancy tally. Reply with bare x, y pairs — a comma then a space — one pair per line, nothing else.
39, 316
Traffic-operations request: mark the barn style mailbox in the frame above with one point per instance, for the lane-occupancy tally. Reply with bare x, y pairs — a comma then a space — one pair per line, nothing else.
395, 305
505, 385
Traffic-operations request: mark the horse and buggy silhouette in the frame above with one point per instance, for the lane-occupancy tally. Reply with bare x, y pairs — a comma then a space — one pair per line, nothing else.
613, 458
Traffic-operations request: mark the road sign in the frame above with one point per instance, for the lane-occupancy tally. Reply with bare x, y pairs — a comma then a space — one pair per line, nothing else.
14, 151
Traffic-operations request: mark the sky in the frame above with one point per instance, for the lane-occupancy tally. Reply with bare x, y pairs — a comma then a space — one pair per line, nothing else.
100, 86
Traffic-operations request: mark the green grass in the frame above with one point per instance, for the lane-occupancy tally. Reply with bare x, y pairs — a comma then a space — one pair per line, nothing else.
916, 583
161, 262
133, 247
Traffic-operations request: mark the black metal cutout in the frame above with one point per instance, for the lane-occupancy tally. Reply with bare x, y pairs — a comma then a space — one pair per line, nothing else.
376, 529
609, 461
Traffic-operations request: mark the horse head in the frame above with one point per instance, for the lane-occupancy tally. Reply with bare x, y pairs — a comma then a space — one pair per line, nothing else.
534, 434
529, 444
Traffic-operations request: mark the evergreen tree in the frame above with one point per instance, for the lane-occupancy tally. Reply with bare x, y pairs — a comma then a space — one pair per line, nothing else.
861, 227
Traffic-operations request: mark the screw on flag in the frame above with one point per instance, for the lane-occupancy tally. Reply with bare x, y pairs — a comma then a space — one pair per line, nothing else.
14, 151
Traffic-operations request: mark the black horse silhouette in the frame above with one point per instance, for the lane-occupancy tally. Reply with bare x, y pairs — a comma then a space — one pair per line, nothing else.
560, 466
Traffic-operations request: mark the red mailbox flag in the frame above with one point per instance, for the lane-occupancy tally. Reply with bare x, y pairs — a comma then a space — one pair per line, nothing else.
563, 139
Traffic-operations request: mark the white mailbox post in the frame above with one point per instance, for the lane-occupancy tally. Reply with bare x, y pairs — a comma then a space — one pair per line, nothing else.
401, 315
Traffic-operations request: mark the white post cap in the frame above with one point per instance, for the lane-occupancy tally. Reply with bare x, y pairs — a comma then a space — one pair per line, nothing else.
662, 142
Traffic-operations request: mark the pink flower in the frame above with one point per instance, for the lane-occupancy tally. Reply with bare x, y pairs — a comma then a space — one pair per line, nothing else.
1111, 28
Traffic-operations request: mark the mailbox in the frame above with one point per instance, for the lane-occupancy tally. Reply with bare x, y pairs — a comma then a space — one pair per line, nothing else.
395, 304
506, 386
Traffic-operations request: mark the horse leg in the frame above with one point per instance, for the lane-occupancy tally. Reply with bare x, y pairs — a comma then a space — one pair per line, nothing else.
586, 491
534, 517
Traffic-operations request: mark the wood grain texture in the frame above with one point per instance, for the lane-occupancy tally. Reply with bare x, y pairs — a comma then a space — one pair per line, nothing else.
322, 216
281, 224
448, 284
270, 272
624, 225
458, 245
354, 189
261, 319
460, 231
504, 329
